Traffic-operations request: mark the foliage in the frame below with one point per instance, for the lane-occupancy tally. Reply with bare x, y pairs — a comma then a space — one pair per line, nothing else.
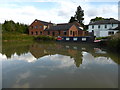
43, 38
78, 16
72, 19
114, 44
99, 18
99, 38
11, 26
96, 19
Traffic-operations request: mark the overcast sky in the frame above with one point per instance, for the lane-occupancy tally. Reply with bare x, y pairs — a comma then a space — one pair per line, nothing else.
56, 11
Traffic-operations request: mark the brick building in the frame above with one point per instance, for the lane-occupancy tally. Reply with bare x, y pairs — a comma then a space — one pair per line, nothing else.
39, 27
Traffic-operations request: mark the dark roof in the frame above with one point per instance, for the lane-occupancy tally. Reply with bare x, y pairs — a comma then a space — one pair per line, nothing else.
43, 22
75, 23
107, 21
60, 27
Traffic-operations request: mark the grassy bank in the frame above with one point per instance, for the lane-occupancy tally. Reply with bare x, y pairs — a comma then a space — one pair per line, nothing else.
111, 42
114, 43
16, 37
25, 37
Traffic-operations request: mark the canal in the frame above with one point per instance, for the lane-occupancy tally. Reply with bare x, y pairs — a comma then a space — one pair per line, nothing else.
58, 65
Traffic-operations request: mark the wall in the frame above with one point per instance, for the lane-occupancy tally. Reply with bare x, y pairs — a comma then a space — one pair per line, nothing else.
56, 33
102, 31
39, 29
74, 31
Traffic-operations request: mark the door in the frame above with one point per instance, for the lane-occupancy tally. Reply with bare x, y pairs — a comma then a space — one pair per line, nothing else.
73, 33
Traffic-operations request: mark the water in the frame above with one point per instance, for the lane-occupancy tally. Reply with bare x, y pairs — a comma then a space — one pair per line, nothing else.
58, 65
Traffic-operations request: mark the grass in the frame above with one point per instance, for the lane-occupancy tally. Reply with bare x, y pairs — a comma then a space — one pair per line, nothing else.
99, 38
16, 37
114, 42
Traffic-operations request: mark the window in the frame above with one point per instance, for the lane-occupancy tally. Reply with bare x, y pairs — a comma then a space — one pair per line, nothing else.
111, 33
65, 33
112, 24
59, 32
36, 27
75, 39
70, 32
48, 32
41, 32
67, 39
53, 33
98, 26
105, 26
83, 39
31, 33
40, 26
36, 33
92, 26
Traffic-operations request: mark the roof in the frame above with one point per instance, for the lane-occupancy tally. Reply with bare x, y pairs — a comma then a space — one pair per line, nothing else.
63, 26
60, 27
107, 21
44, 22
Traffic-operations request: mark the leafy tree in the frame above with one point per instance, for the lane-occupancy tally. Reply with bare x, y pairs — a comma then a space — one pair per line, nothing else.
79, 15
72, 19
11, 26
97, 19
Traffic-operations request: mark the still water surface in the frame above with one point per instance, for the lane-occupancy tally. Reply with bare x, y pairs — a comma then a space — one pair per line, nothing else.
58, 65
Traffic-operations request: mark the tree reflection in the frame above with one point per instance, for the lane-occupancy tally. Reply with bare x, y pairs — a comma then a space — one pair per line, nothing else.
38, 50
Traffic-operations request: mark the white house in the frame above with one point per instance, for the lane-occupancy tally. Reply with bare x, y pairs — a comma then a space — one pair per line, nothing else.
104, 28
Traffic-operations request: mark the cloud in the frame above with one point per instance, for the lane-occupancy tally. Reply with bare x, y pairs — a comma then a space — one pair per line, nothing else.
25, 57
61, 13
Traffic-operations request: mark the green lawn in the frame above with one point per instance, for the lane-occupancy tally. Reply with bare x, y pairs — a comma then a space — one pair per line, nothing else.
16, 37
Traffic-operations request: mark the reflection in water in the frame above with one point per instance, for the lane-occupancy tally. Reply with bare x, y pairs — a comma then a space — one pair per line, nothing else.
26, 57
70, 65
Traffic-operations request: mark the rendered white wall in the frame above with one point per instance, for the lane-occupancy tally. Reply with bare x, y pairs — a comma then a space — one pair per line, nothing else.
102, 31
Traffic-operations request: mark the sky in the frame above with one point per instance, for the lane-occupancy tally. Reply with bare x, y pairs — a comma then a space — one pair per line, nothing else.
56, 11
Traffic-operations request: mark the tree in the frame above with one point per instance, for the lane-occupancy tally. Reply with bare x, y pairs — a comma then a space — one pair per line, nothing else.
72, 19
96, 19
79, 15
11, 26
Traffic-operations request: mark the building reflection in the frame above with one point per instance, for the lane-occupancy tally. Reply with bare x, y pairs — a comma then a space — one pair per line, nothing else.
39, 50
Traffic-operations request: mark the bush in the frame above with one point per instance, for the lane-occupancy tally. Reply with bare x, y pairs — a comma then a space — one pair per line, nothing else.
43, 38
114, 43
99, 38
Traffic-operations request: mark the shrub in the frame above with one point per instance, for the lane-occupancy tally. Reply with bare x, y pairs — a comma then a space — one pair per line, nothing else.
99, 38
43, 38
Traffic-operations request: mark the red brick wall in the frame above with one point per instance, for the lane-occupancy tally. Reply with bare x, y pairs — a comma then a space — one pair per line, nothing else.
56, 33
39, 29
73, 31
